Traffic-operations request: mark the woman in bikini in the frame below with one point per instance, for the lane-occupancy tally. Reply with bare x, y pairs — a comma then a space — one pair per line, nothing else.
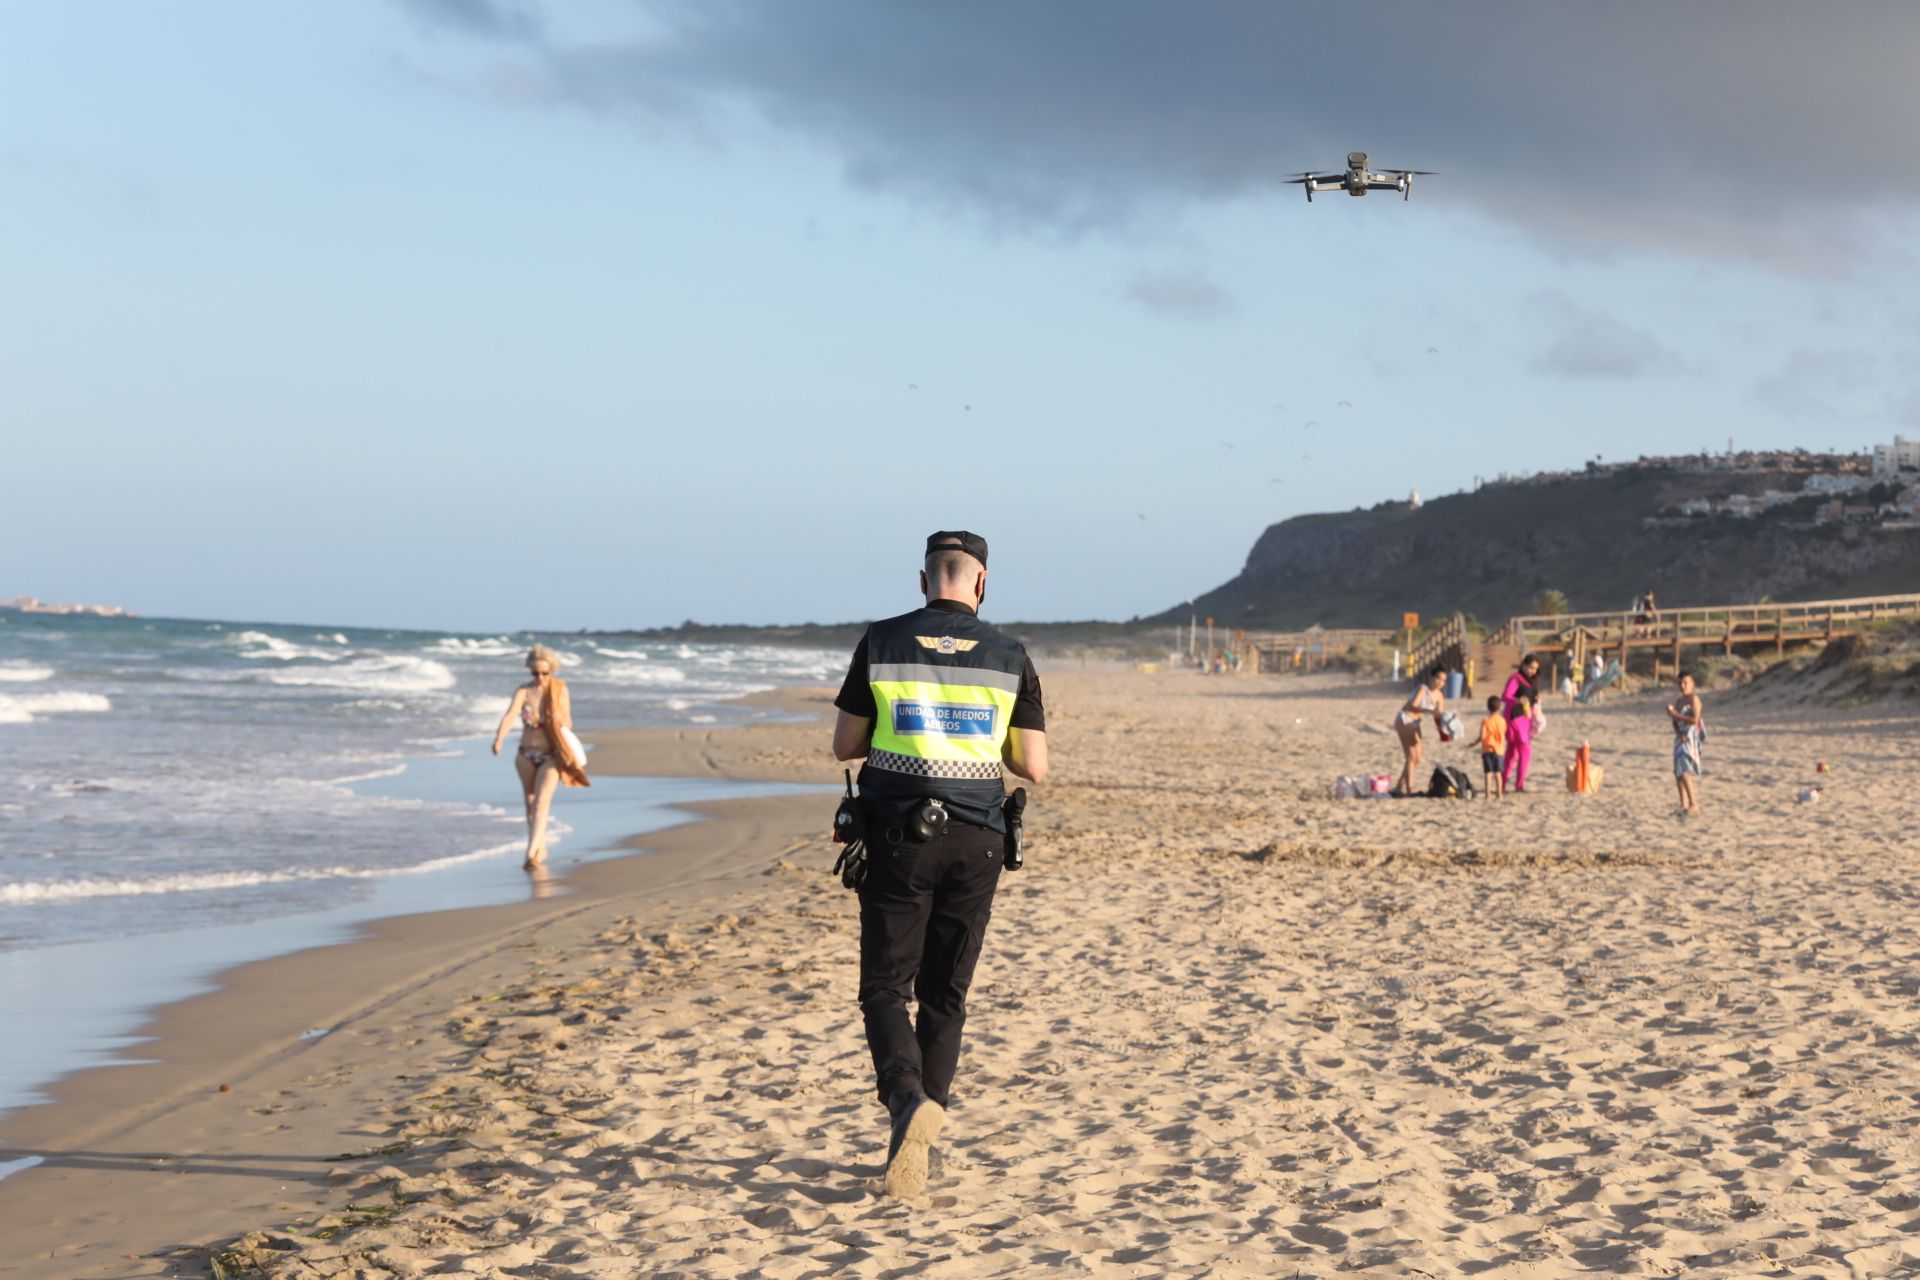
1426, 700
544, 708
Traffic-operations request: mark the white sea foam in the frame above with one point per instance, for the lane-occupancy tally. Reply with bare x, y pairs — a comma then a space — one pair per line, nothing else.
467, 646
630, 655
389, 673
392, 771
28, 707
267, 646
28, 892
22, 673
651, 675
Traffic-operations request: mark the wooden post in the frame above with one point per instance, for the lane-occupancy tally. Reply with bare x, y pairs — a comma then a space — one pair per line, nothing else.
1726, 646
1780, 632
1626, 639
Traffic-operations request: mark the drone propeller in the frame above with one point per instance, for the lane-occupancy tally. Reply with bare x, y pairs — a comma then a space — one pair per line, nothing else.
1418, 172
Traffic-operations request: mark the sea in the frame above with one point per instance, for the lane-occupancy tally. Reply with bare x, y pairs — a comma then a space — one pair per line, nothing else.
177, 796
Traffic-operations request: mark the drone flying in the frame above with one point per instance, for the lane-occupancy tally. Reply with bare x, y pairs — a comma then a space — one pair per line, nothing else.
1358, 179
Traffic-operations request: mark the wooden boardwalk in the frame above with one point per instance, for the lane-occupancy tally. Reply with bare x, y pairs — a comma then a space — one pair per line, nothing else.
1666, 634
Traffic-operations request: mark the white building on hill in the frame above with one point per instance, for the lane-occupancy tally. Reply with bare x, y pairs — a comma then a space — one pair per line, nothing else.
1891, 459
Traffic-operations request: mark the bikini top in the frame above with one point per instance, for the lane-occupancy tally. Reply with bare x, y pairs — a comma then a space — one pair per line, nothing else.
528, 715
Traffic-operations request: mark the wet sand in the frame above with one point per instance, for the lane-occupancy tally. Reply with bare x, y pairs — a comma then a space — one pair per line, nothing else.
1225, 1025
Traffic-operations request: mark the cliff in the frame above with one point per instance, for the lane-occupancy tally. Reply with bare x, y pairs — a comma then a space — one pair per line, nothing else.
1693, 536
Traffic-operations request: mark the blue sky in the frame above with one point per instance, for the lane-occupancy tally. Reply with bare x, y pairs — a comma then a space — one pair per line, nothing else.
466, 314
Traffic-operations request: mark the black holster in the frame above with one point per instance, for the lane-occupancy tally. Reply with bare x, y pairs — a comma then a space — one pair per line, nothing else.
1014, 811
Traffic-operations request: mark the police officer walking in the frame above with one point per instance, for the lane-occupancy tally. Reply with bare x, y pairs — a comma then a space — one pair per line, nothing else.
936, 702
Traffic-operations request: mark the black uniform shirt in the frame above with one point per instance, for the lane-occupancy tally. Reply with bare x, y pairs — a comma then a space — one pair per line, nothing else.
856, 694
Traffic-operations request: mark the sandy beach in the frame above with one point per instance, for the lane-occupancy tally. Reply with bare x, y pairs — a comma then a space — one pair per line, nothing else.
1225, 1025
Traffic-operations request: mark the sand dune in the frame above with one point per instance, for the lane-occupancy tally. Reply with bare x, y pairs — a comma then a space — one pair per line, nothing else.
1227, 1026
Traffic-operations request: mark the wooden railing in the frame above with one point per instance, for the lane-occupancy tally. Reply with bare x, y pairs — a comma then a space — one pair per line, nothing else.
1445, 646
1725, 627
1616, 636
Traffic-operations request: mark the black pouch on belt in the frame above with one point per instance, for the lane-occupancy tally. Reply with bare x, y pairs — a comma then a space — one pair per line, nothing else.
898, 822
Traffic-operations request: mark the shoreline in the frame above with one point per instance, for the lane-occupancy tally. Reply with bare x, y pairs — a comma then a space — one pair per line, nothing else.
212, 1073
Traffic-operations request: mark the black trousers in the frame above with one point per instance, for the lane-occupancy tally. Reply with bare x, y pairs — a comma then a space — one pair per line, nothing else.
923, 915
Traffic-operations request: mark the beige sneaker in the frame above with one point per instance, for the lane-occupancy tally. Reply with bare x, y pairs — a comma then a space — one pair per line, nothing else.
915, 1126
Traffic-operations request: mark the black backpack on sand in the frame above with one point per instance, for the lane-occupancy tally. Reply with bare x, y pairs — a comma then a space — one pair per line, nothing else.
1449, 783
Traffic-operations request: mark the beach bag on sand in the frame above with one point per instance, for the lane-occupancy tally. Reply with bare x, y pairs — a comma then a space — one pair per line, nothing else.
1449, 726
1380, 786
1449, 783
1352, 786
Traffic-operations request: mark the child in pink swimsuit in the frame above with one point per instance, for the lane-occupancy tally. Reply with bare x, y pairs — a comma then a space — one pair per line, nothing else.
1519, 744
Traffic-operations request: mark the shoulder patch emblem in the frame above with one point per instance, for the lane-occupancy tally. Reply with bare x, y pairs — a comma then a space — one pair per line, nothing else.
946, 644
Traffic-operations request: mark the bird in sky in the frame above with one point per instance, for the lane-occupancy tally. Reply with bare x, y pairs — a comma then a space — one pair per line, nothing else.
1346, 404
1310, 424
1433, 351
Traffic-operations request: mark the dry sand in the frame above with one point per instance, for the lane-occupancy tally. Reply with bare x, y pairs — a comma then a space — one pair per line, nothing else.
1225, 1025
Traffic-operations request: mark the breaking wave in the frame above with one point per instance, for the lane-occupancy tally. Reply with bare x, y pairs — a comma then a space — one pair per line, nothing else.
26, 892
26, 708
391, 673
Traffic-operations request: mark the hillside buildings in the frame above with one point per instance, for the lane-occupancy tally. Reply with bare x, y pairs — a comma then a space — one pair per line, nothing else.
1890, 460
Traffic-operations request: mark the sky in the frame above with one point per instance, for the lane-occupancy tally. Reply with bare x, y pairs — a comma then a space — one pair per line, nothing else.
501, 314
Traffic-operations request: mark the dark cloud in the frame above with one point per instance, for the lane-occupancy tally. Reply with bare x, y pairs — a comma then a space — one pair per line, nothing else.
1584, 343
496, 19
1179, 293
1740, 128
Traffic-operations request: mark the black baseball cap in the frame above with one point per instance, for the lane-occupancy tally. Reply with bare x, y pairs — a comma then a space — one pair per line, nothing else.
959, 540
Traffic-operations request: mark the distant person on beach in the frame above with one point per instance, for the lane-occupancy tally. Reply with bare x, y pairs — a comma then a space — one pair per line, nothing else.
546, 757
1596, 667
1425, 700
1518, 700
1689, 734
1493, 748
935, 702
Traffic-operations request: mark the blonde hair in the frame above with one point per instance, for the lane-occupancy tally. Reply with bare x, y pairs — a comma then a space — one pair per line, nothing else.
541, 653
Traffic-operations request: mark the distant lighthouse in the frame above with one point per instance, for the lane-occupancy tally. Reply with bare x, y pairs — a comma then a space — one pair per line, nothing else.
1413, 499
